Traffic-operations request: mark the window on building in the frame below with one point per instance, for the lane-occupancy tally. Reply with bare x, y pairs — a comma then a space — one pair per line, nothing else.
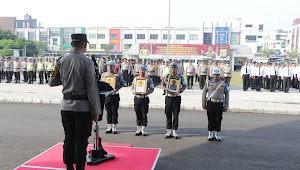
153, 36
127, 46
235, 38
92, 36
283, 45
20, 34
113, 46
54, 33
100, 36
261, 27
31, 35
128, 36
259, 48
250, 37
194, 37
113, 36
140, 36
248, 25
180, 37
207, 38
67, 32
92, 46
54, 41
43, 36
259, 36
165, 36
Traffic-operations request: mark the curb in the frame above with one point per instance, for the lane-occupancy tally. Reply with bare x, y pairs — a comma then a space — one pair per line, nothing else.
152, 106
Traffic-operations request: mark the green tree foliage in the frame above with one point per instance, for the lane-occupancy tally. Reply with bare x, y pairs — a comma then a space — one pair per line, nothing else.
9, 42
62, 51
106, 47
267, 52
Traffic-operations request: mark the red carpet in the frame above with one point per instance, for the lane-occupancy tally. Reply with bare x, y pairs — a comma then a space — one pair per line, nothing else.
125, 158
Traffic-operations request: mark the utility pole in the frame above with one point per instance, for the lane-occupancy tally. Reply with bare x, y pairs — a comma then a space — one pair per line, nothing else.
168, 46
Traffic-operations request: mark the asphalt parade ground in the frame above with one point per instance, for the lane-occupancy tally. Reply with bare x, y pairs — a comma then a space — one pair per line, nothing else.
239, 100
249, 140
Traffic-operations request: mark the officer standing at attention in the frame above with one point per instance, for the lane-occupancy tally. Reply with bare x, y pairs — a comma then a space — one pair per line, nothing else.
41, 69
24, 69
151, 71
141, 102
190, 71
112, 100
8, 68
245, 74
227, 73
202, 73
172, 102
30, 70
125, 71
137, 68
17, 70
215, 99
81, 103
1, 68
45, 66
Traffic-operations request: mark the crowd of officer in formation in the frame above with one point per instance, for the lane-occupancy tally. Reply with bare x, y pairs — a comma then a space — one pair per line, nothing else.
157, 73
157, 69
270, 76
29, 67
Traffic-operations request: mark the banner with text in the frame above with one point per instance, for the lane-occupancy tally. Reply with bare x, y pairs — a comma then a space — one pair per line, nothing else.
183, 49
222, 35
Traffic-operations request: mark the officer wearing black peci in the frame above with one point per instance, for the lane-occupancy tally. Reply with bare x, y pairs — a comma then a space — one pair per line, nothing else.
215, 99
80, 104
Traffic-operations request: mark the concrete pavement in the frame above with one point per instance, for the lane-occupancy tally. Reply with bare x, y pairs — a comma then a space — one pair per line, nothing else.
240, 101
249, 141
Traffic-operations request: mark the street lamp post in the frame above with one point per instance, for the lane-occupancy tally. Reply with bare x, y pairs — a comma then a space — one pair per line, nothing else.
168, 45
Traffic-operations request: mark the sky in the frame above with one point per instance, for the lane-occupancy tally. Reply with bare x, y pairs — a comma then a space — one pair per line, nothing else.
152, 13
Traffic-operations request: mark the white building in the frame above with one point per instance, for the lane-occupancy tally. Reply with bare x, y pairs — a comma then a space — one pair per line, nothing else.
277, 41
295, 35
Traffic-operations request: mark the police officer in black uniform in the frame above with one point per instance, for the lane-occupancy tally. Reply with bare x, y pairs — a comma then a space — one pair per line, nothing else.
80, 104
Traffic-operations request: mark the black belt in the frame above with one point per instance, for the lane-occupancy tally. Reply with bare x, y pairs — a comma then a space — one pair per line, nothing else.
75, 97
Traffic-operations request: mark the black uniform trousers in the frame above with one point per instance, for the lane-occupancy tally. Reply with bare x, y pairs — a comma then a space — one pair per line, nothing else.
153, 79
297, 81
293, 82
17, 76
273, 80
41, 77
267, 82
280, 83
34, 76
141, 107
227, 80
202, 80
1, 75
25, 75
196, 78
214, 115
190, 80
125, 76
286, 83
9, 76
258, 83
245, 81
172, 108
77, 127
30, 77
47, 76
112, 106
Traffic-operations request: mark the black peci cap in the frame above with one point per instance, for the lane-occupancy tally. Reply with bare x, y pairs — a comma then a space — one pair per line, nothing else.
79, 38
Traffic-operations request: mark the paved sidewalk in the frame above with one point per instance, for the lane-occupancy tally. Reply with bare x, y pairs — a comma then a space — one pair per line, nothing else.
240, 101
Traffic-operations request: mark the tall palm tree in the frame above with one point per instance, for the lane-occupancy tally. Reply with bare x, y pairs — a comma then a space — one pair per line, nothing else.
267, 52
106, 47
292, 54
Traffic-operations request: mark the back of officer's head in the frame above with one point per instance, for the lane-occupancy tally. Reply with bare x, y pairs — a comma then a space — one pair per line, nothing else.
79, 41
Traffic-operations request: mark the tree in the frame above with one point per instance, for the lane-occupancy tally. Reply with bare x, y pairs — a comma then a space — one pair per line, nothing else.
6, 34
62, 51
41, 48
267, 52
292, 54
106, 47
